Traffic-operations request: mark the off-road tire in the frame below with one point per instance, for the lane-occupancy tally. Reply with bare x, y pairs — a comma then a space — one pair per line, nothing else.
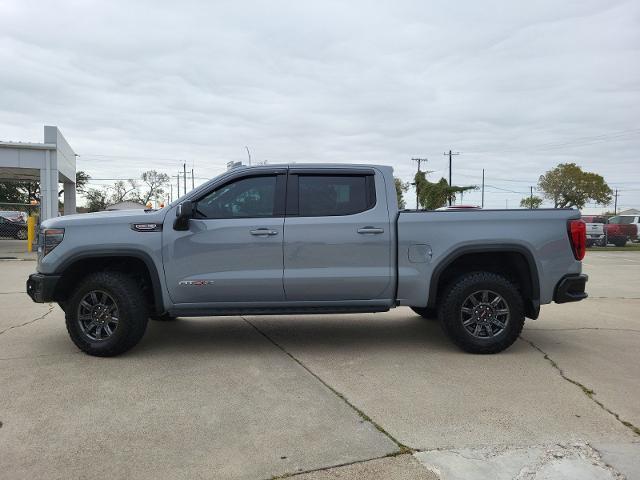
450, 312
165, 317
426, 312
131, 304
620, 242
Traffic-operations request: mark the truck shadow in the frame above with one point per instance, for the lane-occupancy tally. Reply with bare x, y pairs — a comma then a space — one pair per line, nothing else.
312, 332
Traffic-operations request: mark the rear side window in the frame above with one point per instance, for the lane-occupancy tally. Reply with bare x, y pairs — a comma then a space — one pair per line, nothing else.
333, 195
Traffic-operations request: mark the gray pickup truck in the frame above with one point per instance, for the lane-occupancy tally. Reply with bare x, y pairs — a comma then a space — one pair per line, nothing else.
306, 239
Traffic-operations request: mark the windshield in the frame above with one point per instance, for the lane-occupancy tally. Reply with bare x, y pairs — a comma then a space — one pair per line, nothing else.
621, 220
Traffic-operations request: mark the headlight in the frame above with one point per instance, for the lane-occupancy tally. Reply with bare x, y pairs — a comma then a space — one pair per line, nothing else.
50, 238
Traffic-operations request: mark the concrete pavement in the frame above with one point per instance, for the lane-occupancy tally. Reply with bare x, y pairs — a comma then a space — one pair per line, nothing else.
274, 396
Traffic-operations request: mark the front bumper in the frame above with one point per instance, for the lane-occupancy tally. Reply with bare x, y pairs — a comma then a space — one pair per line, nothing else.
571, 288
41, 288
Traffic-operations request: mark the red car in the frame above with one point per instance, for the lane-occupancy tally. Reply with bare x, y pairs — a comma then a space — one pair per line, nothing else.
619, 231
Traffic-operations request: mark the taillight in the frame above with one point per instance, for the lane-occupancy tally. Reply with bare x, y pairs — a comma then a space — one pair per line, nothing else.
578, 237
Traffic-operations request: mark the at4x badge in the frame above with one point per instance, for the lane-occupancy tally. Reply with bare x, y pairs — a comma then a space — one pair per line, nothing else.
196, 283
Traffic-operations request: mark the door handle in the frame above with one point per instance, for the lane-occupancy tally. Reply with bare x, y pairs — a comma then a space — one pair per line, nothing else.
263, 232
366, 230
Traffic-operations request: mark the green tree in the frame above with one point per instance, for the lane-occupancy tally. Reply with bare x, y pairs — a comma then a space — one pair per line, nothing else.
10, 192
97, 199
531, 202
155, 184
401, 189
435, 195
567, 185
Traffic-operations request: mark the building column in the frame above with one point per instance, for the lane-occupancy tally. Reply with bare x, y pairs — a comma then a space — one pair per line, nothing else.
48, 189
69, 198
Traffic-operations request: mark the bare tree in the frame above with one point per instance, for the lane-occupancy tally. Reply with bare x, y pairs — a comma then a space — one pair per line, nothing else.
155, 185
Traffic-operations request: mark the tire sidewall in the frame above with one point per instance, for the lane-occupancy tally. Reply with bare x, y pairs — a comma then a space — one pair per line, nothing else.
450, 313
129, 315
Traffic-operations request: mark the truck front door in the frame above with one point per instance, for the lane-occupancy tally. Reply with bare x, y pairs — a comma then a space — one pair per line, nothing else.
232, 251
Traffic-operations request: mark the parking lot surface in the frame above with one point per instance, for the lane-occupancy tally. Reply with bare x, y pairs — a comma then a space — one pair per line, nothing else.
345, 396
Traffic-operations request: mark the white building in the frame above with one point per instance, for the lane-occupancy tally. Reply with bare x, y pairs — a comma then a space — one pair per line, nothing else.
52, 162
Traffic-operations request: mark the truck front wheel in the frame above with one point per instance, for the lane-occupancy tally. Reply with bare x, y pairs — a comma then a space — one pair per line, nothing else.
482, 312
106, 314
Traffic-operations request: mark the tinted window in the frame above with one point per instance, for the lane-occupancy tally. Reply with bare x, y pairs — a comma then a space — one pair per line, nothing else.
594, 219
245, 198
621, 220
325, 195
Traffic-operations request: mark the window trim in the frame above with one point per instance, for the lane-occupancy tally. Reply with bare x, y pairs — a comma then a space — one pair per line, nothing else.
293, 189
279, 197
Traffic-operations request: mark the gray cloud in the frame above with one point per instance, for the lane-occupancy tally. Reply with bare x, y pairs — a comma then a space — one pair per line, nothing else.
517, 88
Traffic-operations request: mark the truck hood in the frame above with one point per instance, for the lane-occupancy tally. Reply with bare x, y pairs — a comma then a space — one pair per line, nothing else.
106, 218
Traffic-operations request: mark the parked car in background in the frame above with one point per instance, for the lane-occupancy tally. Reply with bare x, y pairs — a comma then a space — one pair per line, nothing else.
14, 215
620, 230
13, 229
595, 230
630, 220
459, 207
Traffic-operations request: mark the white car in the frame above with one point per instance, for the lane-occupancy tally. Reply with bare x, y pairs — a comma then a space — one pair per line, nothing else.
595, 230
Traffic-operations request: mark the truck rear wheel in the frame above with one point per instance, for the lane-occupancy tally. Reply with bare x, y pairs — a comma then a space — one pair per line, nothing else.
106, 315
482, 312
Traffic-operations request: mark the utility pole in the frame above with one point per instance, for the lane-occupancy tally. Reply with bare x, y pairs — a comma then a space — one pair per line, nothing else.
482, 204
249, 154
531, 198
184, 172
170, 192
192, 180
178, 182
615, 205
450, 155
419, 162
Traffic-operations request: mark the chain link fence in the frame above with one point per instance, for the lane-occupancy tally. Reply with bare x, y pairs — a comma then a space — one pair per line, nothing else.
13, 220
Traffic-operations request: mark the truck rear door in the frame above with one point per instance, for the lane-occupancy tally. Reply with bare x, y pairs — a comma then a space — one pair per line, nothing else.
337, 241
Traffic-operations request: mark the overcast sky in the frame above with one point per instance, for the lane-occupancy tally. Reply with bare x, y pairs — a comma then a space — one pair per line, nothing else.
516, 87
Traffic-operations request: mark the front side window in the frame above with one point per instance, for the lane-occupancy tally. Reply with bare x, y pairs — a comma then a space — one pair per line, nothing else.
327, 195
251, 197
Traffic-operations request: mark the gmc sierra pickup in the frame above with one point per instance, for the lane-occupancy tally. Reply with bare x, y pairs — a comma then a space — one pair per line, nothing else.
306, 239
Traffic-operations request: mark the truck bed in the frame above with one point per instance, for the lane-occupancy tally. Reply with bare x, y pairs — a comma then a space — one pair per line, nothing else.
428, 241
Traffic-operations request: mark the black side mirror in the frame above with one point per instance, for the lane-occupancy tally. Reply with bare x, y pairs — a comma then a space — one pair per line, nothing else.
184, 212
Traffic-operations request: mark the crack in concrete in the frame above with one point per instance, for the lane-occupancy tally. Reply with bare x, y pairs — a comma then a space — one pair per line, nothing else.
11, 293
323, 469
586, 390
402, 447
557, 452
30, 321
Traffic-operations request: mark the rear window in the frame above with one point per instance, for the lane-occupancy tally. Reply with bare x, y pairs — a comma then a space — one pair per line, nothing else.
332, 195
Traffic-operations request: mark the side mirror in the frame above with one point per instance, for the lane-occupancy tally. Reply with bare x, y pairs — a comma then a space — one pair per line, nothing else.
184, 212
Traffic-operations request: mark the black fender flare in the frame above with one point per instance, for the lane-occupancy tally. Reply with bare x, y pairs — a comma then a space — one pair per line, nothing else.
491, 248
154, 275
